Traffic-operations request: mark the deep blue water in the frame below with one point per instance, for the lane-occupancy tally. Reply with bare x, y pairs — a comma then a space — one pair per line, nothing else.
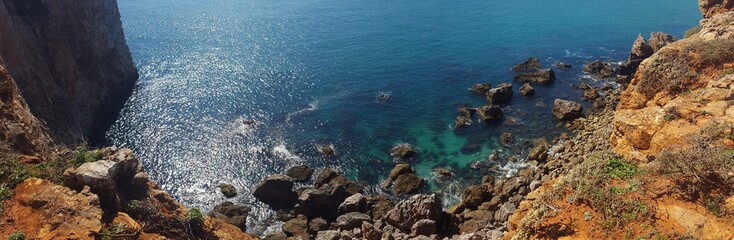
308, 72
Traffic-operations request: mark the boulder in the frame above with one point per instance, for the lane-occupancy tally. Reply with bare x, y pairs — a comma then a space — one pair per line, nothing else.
325, 177
277, 192
475, 195
378, 206
119, 166
354, 203
543, 76
232, 213
505, 211
481, 88
562, 65
323, 202
527, 90
352, 220
500, 94
476, 220
297, 227
490, 113
407, 183
228, 190
317, 225
538, 153
566, 110
328, 150
406, 213
530, 64
599, 69
300, 173
659, 40
461, 121
425, 227
591, 94
640, 49
402, 151
506, 138
398, 170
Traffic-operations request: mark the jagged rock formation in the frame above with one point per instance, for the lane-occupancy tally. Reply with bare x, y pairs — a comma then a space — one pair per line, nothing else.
710, 8
18, 127
70, 61
679, 90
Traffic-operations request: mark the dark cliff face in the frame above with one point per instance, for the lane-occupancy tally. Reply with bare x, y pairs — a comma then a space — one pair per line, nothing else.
70, 61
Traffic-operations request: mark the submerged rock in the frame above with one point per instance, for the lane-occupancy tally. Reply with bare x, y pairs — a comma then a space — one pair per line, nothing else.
481, 88
530, 64
599, 69
464, 118
228, 190
506, 138
490, 113
527, 90
500, 94
300, 173
441, 174
567, 110
407, 183
591, 94
384, 96
544, 76
562, 65
402, 151
470, 148
277, 192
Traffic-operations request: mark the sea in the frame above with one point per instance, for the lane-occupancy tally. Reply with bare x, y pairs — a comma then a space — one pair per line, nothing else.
231, 91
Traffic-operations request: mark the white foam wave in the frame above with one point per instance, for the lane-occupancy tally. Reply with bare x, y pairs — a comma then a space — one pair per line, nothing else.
312, 106
282, 151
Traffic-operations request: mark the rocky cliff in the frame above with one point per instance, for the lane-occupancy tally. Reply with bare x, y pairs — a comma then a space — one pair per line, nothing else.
681, 89
19, 129
70, 61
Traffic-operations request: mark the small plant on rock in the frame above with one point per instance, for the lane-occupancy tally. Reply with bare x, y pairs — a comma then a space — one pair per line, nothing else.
195, 218
17, 235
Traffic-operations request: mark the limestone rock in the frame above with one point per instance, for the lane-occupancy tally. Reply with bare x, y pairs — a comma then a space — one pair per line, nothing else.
567, 110
228, 190
402, 151
354, 203
407, 183
530, 64
481, 88
406, 213
500, 94
352, 220
475, 195
297, 227
659, 40
490, 113
527, 90
425, 227
543, 76
710, 8
640, 49
232, 213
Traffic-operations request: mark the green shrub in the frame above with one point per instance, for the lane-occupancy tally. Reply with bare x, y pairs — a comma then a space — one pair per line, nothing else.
17, 235
117, 231
715, 51
195, 218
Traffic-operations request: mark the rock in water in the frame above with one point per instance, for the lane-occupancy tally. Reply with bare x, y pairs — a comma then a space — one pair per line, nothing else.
490, 113
228, 190
659, 40
407, 183
599, 69
481, 88
506, 138
402, 151
442, 174
566, 110
527, 90
562, 65
277, 192
300, 173
297, 227
232, 213
544, 76
328, 150
530, 64
384, 96
475, 195
538, 153
640, 49
591, 94
500, 94
406, 213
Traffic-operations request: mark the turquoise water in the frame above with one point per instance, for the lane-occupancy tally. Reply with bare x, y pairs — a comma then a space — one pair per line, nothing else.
308, 73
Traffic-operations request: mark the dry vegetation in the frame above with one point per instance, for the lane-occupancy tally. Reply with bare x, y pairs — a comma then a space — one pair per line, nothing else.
671, 71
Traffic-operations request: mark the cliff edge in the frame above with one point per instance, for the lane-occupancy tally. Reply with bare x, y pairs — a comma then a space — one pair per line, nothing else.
71, 63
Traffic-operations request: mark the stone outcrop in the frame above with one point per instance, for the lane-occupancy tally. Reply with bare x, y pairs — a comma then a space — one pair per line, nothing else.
599, 69
490, 113
527, 90
641, 49
659, 40
402, 151
403, 180
70, 62
276, 191
653, 114
709, 8
480, 88
409, 211
300, 173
